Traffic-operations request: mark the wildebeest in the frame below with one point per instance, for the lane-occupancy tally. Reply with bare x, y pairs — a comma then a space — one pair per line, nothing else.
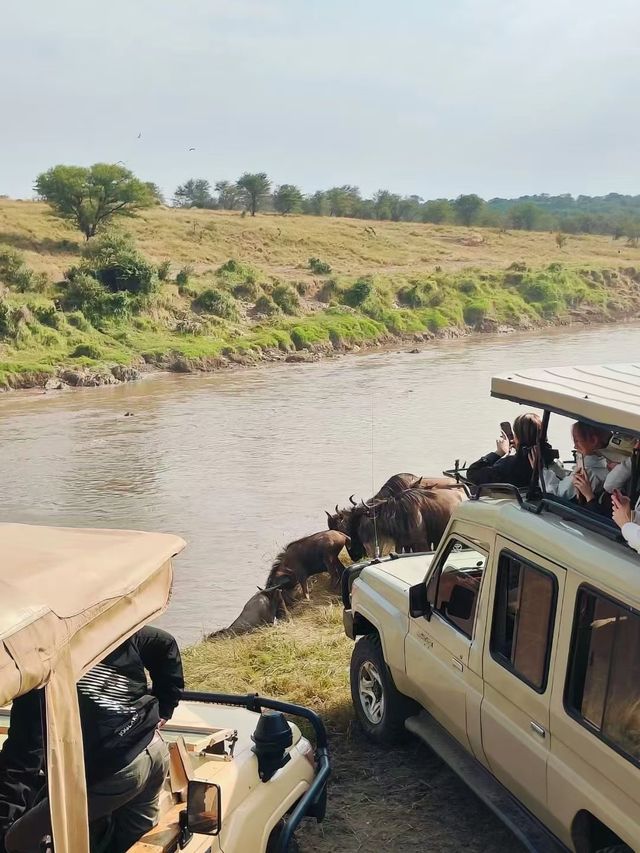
308, 556
349, 520
262, 609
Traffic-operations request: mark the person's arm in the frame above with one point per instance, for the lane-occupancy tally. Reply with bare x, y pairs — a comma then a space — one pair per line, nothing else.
482, 471
161, 658
21, 760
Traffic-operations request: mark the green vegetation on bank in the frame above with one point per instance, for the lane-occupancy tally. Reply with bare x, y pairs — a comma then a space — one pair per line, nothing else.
114, 305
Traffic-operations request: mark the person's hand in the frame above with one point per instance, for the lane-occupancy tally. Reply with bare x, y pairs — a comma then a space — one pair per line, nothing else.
583, 485
161, 723
502, 444
621, 508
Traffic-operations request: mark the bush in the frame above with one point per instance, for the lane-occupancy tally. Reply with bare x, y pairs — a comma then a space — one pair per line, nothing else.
475, 311
286, 298
213, 301
113, 260
164, 270
319, 267
78, 321
468, 287
248, 290
48, 315
358, 293
84, 293
5, 320
15, 273
266, 305
183, 275
417, 295
86, 351
328, 291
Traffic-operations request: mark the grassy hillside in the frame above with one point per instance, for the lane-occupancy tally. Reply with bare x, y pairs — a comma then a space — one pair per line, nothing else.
385, 280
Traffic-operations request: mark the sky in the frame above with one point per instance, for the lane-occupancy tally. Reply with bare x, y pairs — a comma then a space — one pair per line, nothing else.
432, 97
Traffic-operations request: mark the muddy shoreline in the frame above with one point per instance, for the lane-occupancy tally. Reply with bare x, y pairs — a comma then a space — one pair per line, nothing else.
68, 378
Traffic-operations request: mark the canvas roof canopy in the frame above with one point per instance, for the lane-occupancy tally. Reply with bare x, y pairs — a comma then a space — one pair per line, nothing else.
67, 598
607, 395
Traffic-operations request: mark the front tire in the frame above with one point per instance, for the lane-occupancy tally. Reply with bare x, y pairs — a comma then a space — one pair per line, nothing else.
292, 847
380, 707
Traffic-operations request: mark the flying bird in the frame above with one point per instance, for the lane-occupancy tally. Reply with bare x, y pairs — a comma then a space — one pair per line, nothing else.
140, 135
192, 149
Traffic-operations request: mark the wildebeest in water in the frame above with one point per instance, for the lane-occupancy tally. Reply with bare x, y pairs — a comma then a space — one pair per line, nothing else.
308, 556
263, 608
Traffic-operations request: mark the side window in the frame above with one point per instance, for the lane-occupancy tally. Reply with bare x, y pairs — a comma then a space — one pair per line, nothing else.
523, 618
455, 586
603, 689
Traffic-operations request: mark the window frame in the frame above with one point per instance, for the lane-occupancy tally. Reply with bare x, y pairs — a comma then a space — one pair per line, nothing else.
569, 685
454, 536
505, 663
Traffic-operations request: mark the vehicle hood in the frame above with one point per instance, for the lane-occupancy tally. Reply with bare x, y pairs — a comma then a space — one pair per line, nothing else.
410, 568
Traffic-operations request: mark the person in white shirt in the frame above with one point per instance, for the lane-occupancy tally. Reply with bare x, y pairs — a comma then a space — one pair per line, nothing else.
627, 519
588, 441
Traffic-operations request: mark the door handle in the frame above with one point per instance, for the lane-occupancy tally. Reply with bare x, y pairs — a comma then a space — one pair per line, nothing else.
457, 664
537, 729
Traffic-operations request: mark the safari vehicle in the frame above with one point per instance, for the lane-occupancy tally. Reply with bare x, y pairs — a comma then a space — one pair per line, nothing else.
240, 780
514, 649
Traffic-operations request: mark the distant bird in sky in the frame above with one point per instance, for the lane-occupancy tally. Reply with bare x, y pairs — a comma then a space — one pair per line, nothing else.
140, 135
192, 149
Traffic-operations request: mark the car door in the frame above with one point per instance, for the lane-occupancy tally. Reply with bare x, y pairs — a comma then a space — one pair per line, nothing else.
526, 593
438, 646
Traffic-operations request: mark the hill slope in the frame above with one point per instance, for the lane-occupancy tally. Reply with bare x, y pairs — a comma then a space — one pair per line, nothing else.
386, 280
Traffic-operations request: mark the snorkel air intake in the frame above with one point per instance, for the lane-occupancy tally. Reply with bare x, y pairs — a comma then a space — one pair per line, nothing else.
271, 739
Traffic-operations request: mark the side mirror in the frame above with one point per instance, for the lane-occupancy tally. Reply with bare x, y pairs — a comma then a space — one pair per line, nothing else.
204, 807
418, 601
460, 605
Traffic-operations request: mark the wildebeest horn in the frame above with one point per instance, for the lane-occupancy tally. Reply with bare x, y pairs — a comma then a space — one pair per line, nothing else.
337, 510
351, 500
328, 513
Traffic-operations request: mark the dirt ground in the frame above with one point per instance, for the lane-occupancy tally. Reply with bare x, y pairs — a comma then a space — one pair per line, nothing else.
404, 800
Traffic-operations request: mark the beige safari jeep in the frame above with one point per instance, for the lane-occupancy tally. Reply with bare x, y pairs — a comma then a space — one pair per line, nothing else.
241, 776
513, 651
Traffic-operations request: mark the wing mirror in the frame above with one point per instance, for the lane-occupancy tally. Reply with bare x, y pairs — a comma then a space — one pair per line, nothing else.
204, 808
418, 602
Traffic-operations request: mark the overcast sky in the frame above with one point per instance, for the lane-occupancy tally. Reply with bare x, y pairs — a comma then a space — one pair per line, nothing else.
434, 97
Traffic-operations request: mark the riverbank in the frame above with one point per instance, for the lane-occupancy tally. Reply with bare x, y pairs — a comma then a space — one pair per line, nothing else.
105, 313
404, 799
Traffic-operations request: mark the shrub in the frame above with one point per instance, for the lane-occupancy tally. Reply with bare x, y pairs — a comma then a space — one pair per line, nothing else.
475, 311
328, 291
113, 260
214, 301
48, 315
266, 305
84, 293
248, 290
417, 295
468, 287
286, 298
319, 267
86, 351
183, 275
78, 321
15, 273
164, 269
358, 293
5, 320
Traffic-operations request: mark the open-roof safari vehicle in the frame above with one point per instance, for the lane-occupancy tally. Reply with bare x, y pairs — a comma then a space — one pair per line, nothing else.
67, 599
514, 649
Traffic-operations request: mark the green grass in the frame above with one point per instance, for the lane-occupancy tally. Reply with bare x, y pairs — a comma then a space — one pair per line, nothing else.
249, 289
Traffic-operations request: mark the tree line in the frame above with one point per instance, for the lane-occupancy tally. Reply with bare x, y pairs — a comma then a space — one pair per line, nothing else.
614, 214
91, 196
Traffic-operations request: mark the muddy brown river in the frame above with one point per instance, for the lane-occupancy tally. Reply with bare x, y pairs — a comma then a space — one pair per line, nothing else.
241, 463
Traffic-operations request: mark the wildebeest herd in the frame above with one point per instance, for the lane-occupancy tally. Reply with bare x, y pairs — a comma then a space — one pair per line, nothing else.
408, 514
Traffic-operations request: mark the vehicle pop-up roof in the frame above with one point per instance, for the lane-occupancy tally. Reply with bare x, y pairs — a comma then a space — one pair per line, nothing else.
603, 395
67, 598
607, 395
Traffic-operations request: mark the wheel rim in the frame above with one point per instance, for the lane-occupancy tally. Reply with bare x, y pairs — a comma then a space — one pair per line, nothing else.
371, 692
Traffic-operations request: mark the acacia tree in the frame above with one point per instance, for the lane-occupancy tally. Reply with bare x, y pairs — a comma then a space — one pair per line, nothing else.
255, 186
196, 192
468, 208
90, 197
287, 199
229, 195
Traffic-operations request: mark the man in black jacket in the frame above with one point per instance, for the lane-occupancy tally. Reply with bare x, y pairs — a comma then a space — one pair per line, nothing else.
126, 760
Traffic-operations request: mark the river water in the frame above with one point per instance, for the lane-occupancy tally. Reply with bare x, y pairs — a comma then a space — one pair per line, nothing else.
241, 463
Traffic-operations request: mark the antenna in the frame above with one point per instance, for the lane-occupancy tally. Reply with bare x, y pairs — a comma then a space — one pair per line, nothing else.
375, 522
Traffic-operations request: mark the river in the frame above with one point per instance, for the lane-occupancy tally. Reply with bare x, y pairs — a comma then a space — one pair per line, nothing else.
240, 463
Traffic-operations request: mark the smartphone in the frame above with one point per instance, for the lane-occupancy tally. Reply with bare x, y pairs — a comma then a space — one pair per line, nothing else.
505, 426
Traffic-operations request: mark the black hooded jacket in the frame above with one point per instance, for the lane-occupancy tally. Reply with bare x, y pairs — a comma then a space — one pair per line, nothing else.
118, 712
